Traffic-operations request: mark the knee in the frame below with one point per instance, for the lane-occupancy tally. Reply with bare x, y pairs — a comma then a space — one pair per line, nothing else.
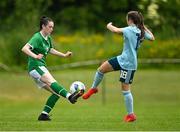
48, 82
100, 69
125, 87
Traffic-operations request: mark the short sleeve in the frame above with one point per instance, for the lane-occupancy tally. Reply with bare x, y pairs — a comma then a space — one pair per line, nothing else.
125, 31
147, 36
33, 42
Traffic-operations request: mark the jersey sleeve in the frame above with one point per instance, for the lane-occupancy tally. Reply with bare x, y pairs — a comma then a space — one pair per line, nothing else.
125, 31
33, 42
147, 36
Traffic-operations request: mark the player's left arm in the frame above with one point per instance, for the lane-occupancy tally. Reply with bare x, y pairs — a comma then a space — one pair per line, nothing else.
60, 54
152, 38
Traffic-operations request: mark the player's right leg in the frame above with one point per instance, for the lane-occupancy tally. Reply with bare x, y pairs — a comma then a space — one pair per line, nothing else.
104, 68
50, 103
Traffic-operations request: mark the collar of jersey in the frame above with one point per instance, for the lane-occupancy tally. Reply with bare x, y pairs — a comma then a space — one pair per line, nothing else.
46, 38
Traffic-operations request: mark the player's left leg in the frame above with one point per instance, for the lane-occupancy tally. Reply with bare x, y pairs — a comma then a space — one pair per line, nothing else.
126, 78
128, 99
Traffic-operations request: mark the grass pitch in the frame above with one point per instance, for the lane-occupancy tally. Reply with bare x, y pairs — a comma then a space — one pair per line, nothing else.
156, 103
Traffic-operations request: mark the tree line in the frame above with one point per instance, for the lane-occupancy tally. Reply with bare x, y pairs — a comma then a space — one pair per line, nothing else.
89, 15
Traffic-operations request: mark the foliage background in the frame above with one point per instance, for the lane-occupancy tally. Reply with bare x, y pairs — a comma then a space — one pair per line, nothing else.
81, 25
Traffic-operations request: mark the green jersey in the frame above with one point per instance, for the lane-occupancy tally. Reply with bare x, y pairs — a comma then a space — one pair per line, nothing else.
39, 45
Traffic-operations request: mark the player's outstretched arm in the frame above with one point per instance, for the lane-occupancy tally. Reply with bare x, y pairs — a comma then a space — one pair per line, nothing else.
60, 54
113, 28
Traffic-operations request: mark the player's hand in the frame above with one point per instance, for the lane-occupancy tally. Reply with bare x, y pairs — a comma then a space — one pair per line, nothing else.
68, 54
39, 56
109, 24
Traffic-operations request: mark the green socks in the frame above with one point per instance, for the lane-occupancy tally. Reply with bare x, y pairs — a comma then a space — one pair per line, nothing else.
50, 103
59, 89
54, 98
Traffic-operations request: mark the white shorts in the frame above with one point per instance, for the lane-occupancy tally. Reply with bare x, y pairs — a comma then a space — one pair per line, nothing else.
37, 73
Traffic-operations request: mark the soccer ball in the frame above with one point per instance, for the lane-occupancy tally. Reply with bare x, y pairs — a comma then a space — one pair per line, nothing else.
77, 86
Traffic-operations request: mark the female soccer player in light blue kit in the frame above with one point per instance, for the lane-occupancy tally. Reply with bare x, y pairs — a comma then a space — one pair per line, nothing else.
126, 62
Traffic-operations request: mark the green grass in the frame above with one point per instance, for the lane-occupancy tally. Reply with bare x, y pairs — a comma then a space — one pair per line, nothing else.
156, 101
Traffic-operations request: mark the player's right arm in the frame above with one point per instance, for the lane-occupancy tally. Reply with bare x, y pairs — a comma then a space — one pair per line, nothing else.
113, 28
27, 50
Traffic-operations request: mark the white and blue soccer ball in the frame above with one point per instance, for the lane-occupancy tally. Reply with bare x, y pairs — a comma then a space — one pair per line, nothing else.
77, 86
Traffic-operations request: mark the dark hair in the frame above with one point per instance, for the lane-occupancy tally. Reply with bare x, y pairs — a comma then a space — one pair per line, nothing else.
138, 20
44, 21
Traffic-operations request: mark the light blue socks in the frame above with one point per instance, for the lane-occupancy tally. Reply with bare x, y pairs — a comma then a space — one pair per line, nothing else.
128, 98
97, 79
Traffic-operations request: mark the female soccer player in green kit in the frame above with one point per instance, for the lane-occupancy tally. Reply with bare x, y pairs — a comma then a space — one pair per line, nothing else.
37, 49
126, 62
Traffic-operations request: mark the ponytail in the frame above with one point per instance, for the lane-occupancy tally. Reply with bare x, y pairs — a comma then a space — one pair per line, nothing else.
141, 25
137, 18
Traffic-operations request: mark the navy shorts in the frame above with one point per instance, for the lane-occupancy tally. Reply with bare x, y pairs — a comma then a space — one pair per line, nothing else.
126, 76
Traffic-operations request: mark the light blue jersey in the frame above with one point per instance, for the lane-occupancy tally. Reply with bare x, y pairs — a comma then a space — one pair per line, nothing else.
128, 59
